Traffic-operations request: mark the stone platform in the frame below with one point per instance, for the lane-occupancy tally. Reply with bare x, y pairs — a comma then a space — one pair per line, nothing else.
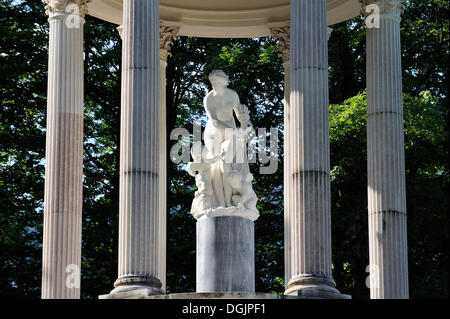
146, 294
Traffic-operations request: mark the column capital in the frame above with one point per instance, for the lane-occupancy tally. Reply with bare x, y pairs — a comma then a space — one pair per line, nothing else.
120, 31
78, 7
167, 33
283, 35
385, 7
329, 32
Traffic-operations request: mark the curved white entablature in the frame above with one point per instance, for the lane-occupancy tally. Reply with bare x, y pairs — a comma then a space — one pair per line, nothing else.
225, 19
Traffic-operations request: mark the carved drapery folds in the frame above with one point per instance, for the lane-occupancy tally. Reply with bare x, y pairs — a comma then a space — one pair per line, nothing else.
79, 7
283, 35
167, 33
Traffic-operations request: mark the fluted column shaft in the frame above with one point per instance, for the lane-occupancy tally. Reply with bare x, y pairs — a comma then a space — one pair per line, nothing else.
385, 157
64, 158
167, 33
308, 216
140, 221
163, 176
287, 155
282, 34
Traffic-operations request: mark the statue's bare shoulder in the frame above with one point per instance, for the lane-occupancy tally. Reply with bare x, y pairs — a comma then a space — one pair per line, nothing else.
229, 95
233, 93
207, 96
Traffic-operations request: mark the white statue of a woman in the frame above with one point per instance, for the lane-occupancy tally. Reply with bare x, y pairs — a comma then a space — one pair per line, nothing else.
232, 193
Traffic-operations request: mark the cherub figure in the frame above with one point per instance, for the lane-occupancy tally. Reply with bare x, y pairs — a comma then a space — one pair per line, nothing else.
237, 184
201, 170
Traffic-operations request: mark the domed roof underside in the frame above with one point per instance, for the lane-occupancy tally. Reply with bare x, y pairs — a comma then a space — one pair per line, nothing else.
225, 19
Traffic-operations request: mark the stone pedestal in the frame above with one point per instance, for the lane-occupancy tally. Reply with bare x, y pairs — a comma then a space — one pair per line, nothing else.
225, 255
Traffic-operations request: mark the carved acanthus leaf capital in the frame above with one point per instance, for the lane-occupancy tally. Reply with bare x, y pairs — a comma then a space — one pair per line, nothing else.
78, 7
393, 7
120, 30
283, 35
167, 33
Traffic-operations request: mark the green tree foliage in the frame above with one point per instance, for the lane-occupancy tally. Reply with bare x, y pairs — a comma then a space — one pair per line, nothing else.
427, 178
256, 73
101, 157
23, 61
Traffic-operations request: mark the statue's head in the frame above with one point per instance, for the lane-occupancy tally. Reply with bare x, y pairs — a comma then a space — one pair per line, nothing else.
218, 76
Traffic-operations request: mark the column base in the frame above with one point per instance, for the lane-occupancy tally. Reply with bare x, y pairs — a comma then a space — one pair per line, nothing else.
136, 293
128, 284
314, 286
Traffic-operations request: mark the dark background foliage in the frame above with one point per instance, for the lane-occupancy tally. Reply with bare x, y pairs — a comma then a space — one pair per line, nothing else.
256, 73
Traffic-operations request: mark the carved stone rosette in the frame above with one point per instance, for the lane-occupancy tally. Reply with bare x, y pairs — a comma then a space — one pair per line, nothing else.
64, 6
283, 35
167, 33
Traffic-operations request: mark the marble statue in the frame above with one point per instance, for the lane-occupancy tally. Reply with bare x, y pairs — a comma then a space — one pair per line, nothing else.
220, 168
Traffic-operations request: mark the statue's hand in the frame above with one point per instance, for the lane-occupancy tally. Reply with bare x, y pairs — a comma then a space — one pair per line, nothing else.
249, 132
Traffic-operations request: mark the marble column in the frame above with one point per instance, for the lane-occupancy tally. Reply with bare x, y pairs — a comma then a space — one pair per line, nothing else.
140, 221
283, 35
308, 217
167, 34
388, 255
61, 257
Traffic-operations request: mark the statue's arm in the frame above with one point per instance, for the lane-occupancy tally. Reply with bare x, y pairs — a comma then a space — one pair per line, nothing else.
237, 105
241, 112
